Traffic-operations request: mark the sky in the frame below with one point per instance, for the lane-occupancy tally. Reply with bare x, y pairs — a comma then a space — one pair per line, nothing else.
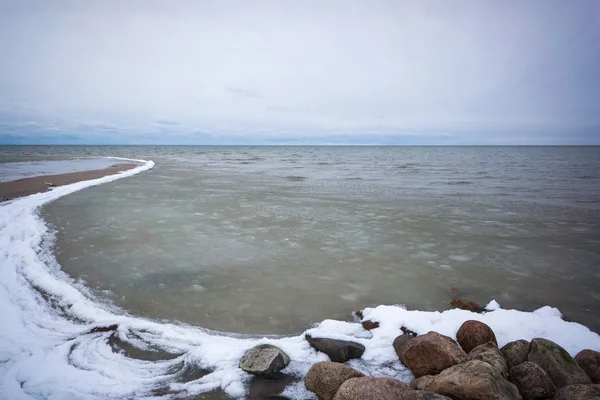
300, 72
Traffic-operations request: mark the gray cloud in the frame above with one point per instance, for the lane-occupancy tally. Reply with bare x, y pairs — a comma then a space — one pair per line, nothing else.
478, 71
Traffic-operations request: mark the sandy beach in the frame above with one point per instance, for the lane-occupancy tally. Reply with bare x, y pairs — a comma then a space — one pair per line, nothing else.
25, 187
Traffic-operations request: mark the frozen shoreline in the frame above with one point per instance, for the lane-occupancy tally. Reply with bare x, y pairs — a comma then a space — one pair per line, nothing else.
46, 345
27, 186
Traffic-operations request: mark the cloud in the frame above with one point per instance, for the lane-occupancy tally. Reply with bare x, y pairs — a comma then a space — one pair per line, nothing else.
472, 72
242, 92
168, 122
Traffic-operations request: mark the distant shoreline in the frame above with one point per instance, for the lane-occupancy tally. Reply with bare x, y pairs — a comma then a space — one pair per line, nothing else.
37, 184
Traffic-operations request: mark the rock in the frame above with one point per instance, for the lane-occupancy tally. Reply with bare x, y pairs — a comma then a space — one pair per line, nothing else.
532, 381
473, 333
595, 386
264, 388
465, 304
473, 380
370, 388
420, 395
490, 354
558, 364
589, 361
407, 331
421, 383
431, 353
399, 344
337, 350
265, 360
515, 352
104, 328
368, 325
577, 392
325, 378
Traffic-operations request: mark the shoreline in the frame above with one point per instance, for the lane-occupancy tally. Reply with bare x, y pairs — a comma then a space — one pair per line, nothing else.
27, 186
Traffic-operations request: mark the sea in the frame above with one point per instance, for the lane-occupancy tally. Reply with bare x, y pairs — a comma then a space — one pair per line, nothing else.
248, 243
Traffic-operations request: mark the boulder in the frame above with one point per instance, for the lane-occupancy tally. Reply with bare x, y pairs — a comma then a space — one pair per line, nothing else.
532, 381
473, 333
337, 350
577, 392
558, 364
431, 353
490, 354
420, 395
399, 344
421, 383
264, 360
595, 386
465, 304
589, 361
370, 388
264, 388
473, 380
325, 378
368, 325
515, 352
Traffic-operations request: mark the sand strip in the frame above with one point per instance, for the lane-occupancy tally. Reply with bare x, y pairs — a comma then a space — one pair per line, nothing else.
26, 186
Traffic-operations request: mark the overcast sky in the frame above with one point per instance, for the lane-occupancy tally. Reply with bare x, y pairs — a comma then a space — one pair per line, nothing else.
250, 72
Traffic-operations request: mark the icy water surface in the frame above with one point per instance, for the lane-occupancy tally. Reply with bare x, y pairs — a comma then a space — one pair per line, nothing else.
273, 239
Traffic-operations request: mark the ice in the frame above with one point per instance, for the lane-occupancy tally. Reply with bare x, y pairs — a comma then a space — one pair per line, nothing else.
46, 349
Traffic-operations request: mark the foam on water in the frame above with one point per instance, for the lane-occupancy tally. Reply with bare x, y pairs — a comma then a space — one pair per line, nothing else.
46, 349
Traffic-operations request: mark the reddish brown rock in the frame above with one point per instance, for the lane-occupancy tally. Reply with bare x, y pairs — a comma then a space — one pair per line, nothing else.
431, 353
421, 395
532, 381
399, 344
473, 380
368, 325
465, 304
325, 378
589, 361
370, 388
474, 333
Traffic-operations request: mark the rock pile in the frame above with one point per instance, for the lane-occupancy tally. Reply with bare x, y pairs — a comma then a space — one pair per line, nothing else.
471, 368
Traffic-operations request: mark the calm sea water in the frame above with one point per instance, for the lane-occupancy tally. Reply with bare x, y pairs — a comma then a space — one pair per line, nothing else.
273, 239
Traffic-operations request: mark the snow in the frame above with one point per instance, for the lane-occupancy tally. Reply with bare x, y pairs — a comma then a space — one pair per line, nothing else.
46, 350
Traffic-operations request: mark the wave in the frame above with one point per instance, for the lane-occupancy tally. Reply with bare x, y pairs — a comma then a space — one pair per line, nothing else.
56, 338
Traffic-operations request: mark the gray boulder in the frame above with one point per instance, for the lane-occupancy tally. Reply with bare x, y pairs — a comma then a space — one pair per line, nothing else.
557, 362
431, 353
370, 388
337, 350
532, 381
589, 361
515, 352
421, 383
577, 392
490, 354
473, 380
325, 378
264, 360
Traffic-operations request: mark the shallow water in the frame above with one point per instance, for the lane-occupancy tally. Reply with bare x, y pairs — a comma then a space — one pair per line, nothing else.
273, 239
